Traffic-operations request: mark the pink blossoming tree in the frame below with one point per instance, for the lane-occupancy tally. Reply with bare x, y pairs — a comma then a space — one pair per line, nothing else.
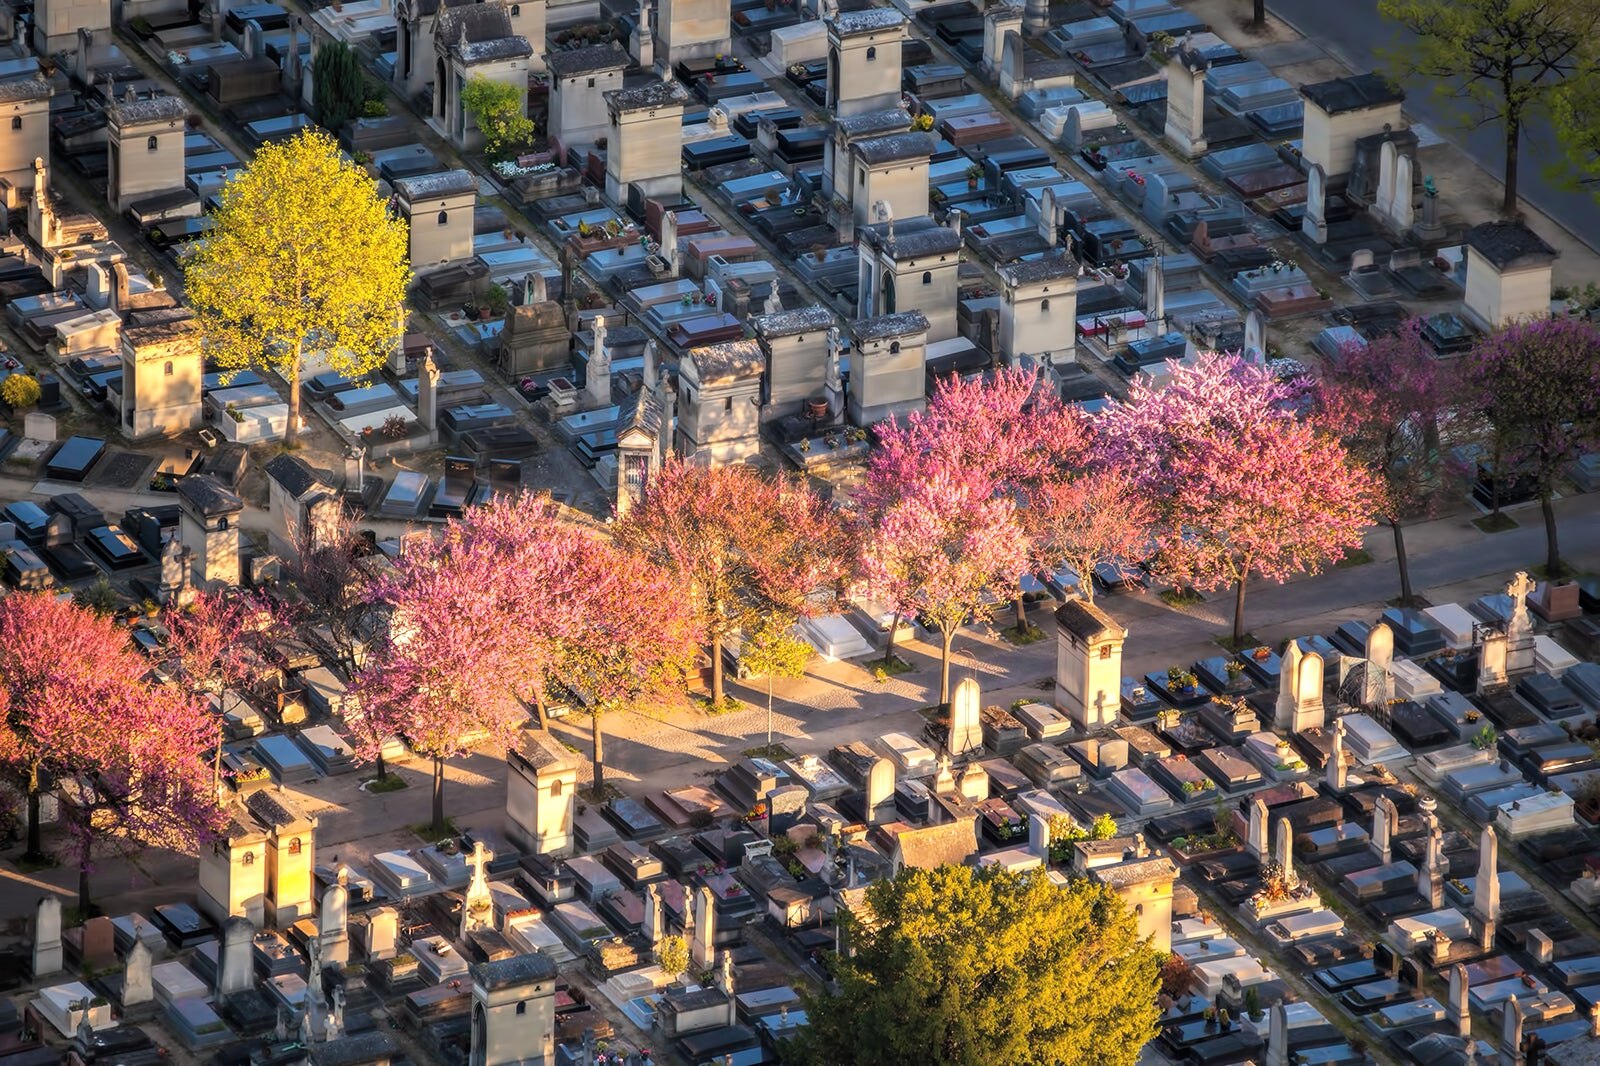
125, 753
1538, 385
1087, 517
1387, 400
939, 543
1241, 484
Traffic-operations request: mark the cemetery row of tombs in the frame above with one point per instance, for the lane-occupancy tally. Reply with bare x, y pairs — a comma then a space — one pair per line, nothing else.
941, 229
1336, 809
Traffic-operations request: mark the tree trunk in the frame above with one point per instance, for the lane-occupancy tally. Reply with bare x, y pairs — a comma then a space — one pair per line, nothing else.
948, 639
438, 795
888, 649
383, 771
1508, 205
292, 430
1238, 614
769, 710
1259, 15
83, 889
539, 711
1404, 564
1552, 549
35, 850
1085, 583
1022, 616
599, 755
716, 673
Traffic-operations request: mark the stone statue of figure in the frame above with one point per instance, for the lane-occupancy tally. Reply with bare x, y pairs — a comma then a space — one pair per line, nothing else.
774, 301
833, 380
336, 1017
599, 329
430, 369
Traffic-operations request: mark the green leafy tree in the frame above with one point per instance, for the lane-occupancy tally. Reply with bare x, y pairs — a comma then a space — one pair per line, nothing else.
499, 111
338, 88
774, 652
20, 390
303, 257
965, 967
1500, 59
673, 956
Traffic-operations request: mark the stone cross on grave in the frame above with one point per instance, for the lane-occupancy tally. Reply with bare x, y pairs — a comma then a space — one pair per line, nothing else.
1286, 853
477, 911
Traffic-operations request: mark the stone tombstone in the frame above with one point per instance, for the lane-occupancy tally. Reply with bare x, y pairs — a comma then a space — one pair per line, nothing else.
336, 1015
47, 952
1278, 1035
1486, 891
235, 961
383, 929
1039, 837
1284, 710
333, 924
1519, 628
1541, 947
973, 783
1380, 645
1285, 854
1492, 656
1256, 841
1255, 337
966, 718
1385, 817
652, 926
669, 242
1511, 1029
36, 425
1457, 1007
1337, 772
702, 945
597, 376
880, 790
99, 943
1315, 224
1013, 74
477, 910
1402, 207
174, 567
1155, 293
428, 396
137, 986
1384, 204
1308, 707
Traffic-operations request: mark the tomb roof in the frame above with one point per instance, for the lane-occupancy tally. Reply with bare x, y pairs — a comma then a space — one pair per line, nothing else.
517, 970
373, 1046
871, 20
933, 846
1137, 872
894, 147
788, 323
428, 186
646, 97
17, 89
541, 753
892, 120
295, 474
415, 9
1087, 621
683, 1000
1002, 13
885, 327
208, 495
1579, 1051
913, 237
640, 415
154, 109
276, 811
587, 60
1508, 244
730, 361
1353, 93
498, 48
1049, 267
159, 332
471, 23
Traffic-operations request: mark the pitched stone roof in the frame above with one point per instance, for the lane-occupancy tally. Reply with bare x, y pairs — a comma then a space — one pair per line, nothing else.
728, 361
18, 89
1087, 621
913, 237
273, 808
155, 109
894, 147
1137, 872
933, 846
647, 97
811, 319
587, 60
1508, 244
295, 474
517, 970
1052, 266
1353, 93
872, 123
208, 495
470, 24
871, 20
429, 186
514, 47
885, 327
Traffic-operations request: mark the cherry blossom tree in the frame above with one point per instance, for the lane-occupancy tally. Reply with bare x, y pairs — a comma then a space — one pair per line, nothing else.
1241, 484
1387, 400
1085, 518
1005, 427
629, 635
81, 713
1538, 386
332, 575
940, 546
744, 547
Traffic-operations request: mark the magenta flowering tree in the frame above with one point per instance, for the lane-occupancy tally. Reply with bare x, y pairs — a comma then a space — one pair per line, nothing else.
1538, 386
126, 754
1387, 399
1241, 484
939, 543
1005, 428
1087, 517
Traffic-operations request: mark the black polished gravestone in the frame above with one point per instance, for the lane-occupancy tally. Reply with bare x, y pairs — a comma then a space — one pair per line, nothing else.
1417, 727
1550, 696
455, 488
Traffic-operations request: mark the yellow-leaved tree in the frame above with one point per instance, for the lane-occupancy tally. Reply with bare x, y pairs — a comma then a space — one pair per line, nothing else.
303, 257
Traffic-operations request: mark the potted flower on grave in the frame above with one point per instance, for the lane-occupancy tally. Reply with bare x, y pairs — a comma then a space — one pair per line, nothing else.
974, 175
1234, 668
